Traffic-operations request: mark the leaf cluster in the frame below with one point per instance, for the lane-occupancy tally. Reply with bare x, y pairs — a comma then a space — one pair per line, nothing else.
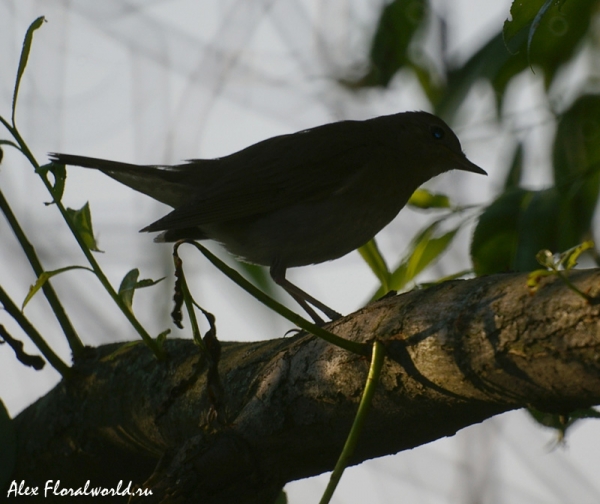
522, 227
543, 37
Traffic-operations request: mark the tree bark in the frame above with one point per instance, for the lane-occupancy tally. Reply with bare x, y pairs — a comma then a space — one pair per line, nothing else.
457, 353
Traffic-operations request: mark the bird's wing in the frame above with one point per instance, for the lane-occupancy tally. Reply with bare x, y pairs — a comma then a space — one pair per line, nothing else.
300, 167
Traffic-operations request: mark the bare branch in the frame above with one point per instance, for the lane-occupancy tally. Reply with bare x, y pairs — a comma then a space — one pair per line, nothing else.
457, 353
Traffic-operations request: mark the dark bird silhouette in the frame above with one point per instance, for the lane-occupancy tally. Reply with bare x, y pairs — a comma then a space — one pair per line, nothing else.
297, 199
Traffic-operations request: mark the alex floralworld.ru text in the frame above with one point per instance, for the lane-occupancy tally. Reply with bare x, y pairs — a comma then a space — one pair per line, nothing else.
53, 488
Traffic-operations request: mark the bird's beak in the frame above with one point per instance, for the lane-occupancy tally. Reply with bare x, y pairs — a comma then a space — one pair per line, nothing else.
466, 165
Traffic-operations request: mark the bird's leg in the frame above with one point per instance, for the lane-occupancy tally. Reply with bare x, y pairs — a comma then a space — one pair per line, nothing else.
302, 298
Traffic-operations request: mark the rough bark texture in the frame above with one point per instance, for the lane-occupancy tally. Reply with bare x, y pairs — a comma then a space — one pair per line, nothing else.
457, 353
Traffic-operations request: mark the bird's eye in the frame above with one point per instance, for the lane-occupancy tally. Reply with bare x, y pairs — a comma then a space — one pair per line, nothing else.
437, 132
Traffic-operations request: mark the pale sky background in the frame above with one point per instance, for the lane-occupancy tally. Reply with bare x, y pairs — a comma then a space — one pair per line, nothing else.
162, 81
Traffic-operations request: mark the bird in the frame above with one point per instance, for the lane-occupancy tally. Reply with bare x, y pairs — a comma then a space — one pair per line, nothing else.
296, 199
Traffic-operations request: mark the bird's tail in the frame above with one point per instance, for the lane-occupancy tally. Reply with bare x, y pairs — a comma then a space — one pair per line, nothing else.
166, 184
89, 162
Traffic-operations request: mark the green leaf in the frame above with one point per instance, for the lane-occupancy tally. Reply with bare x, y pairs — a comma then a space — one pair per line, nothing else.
546, 258
126, 347
562, 423
82, 221
59, 172
130, 283
23, 60
513, 230
8, 142
568, 259
534, 278
371, 254
525, 17
121, 350
495, 239
259, 275
555, 264
545, 419
8, 447
558, 35
44, 277
424, 199
447, 278
546, 33
127, 287
425, 248
162, 337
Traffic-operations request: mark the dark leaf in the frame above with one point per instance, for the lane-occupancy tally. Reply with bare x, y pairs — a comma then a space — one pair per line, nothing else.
545, 33
178, 294
34, 361
495, 239
562, 422
487, 63
525, 17
400, 20
576, 164
555, 39
513, 179
537, 227
513, 230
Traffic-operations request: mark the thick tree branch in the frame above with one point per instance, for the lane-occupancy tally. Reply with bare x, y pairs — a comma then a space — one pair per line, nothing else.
457, 353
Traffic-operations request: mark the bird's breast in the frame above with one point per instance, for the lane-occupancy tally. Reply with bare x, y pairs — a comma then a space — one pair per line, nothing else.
312, 232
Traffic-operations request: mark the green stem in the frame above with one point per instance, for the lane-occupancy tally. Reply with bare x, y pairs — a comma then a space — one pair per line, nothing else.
563, 276
352, 346
74, 342
572, 286
150, 342
54, 360
359, 420
9, 128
